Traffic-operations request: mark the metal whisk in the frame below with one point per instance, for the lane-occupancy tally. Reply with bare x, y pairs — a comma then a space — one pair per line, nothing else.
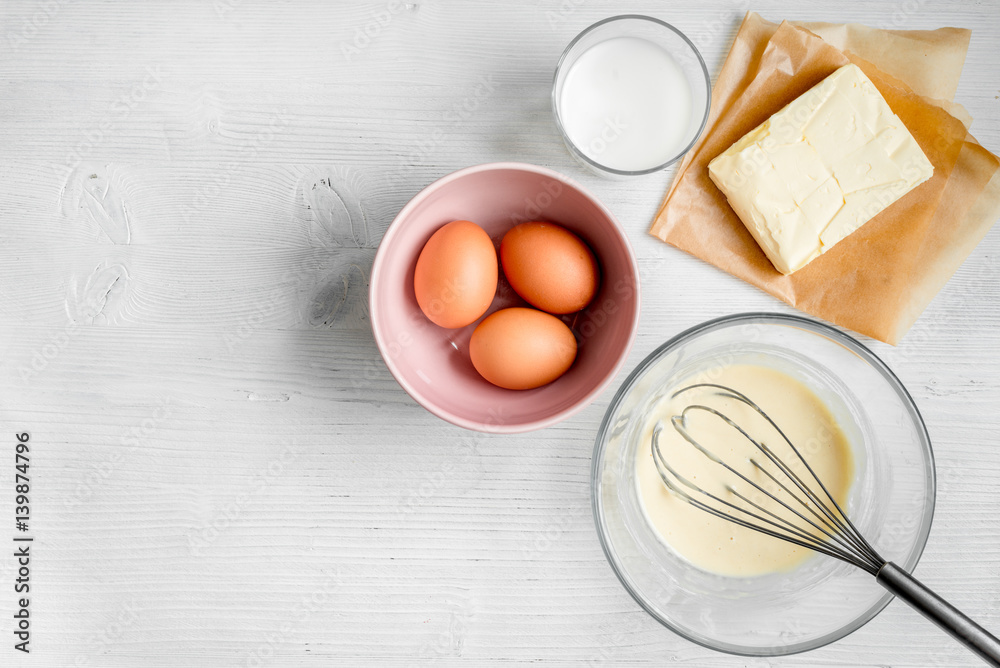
813, 519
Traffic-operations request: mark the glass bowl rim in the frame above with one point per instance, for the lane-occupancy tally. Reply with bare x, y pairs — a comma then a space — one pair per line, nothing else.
814, 327
555, 104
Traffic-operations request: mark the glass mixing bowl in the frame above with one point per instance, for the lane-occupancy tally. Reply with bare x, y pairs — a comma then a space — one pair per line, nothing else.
891, 499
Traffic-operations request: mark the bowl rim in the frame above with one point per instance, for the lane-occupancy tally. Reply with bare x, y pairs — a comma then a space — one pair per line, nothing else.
375, 310
604, 169
815, 327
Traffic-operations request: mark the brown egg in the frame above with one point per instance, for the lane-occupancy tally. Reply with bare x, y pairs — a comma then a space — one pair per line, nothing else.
456, 274
522, 348
549, 267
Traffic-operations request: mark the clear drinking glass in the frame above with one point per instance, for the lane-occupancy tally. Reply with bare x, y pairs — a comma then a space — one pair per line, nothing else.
661, 34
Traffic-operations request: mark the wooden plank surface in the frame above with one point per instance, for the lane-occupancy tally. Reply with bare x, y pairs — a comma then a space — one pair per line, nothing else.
224, 471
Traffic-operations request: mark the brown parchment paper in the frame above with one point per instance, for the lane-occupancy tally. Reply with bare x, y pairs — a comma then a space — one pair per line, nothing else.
929, 61
879, 279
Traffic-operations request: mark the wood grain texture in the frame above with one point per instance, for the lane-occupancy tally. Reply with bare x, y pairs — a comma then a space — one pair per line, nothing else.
226, 474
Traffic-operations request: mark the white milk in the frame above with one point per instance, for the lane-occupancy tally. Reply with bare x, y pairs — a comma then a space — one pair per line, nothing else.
626, 104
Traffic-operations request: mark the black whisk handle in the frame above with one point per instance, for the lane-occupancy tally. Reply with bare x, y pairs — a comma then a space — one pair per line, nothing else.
933, 607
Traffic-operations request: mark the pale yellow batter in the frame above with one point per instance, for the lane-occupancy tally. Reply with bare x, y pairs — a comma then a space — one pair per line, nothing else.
709, 542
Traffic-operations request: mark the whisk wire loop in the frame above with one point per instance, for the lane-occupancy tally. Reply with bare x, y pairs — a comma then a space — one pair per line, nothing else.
784, 531
860, 549
830, 532
679, 423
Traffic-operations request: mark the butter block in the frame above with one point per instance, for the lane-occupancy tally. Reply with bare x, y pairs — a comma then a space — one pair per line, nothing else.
819, 169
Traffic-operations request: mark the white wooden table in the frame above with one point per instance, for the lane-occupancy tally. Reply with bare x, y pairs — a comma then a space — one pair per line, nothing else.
224, 473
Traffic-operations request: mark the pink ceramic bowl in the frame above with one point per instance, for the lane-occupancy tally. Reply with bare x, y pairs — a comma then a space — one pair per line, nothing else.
432, 364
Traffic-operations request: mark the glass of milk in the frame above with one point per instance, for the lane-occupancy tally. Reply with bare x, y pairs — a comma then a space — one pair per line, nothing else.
631, 95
